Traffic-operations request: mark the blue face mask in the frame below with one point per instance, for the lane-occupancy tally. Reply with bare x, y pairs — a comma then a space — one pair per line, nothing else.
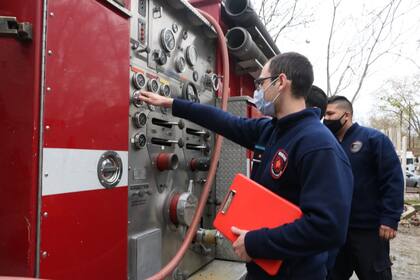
267, 108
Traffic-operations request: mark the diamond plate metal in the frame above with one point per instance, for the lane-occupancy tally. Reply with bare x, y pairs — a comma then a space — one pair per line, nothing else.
233, 160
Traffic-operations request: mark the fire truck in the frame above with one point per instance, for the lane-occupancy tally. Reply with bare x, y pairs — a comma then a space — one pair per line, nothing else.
101, 185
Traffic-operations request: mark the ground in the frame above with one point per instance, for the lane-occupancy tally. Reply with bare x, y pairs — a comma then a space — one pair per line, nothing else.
405, 251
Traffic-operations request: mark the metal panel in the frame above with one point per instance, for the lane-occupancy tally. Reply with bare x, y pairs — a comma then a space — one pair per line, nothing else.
151, 189
233, 160
19, 121
146, 253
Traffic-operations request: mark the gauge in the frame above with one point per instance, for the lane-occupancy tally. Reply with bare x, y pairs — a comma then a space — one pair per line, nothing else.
139, 119
195, 76
139, 81
139, 141
180, 64
175, 28
160, 57
135, 98
153, 85
165, 90
191, 55
189, 92
167, 38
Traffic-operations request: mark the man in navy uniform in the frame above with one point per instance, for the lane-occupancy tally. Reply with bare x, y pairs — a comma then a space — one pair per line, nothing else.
377, 199
296, 157
318, 99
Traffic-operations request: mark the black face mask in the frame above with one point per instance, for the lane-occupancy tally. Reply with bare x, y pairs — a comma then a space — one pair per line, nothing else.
334, 125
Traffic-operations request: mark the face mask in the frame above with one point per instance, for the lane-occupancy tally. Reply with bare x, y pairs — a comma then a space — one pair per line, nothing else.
334, 125
267, 108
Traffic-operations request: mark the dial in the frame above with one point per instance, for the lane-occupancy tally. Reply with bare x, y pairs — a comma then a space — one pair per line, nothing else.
139, 141
165, 90
167, 38
139, 81
191, 55
189, 92
153, 85
180, 64
139, 119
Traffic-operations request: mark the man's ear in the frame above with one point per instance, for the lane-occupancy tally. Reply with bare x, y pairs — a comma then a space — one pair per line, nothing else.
281, 82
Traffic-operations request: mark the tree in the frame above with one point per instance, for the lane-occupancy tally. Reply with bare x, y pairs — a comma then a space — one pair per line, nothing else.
349, 69
400, 100
279, 16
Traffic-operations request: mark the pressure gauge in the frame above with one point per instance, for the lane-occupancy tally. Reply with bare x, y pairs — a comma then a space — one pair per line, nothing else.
191, 55
139, 140
189, 92
180, 64
153, 85
139, 119
167, 39
165, 90
139, 81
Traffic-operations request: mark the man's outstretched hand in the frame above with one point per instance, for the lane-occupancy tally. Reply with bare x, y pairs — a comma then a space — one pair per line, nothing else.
156, 99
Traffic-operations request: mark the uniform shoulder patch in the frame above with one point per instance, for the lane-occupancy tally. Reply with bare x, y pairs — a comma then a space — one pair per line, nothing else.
356, 146
279, 163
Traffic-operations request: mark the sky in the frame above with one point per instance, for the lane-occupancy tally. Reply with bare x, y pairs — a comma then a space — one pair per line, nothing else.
311, 40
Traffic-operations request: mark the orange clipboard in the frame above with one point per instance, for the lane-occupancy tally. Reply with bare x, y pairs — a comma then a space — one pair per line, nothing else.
250, 206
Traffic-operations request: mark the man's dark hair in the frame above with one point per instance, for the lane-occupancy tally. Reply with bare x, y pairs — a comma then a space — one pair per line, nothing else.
342, 102
297, 68
317, 98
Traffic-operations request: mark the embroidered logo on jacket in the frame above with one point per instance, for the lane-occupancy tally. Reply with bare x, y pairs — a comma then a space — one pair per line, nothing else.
356, 146
279, 164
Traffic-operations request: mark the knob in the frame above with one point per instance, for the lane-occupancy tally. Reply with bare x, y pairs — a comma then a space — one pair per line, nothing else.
160, 57
135, 99
167, 161
200, 164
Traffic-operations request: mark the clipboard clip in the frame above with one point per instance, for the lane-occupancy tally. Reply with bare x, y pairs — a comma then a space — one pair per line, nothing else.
228, 201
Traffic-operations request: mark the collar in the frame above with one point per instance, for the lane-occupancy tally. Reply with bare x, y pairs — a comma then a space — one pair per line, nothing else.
350, 131
294, 118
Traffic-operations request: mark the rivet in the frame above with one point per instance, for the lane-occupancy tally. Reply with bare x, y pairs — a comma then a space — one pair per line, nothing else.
44, 254
49, 52
51, 14
47, 127
46, 174
45, 214
48, 89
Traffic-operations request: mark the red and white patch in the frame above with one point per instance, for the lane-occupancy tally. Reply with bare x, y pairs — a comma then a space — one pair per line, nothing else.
279, 164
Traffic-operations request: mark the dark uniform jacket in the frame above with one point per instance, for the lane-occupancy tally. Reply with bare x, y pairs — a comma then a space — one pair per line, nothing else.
378, 197
299, 159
